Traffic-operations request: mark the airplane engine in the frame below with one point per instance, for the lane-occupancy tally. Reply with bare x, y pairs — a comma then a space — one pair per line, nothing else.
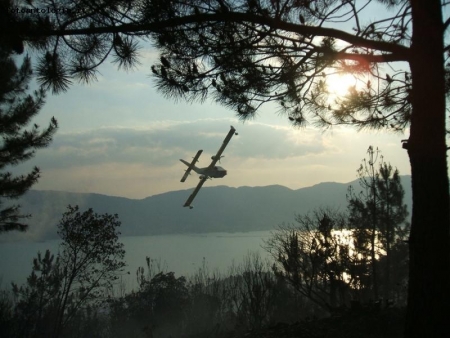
212, 158
201, 177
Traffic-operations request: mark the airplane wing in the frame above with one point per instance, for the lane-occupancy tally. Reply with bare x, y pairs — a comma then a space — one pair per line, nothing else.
188, 170
222, 148
194, 193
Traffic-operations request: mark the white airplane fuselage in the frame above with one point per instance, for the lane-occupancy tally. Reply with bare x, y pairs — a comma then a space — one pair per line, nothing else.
214, 172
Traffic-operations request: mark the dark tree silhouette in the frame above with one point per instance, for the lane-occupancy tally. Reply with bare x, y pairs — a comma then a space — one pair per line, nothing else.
314, 255
18, 144
377, 215
90, 259
393, 226
158, 308
59, 290
253, 292
249, 52
37, 301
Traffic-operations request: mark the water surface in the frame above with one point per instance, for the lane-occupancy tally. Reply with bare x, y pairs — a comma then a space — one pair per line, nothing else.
183, 254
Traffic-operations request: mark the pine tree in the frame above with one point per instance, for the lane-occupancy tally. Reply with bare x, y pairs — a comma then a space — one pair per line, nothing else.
18, 143
392, 225
246, 53
377, 214
314, 255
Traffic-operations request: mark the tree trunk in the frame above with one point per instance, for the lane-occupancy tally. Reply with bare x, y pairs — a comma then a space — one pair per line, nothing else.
429, 273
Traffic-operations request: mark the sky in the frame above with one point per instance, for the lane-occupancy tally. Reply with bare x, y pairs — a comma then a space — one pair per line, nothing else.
119, 136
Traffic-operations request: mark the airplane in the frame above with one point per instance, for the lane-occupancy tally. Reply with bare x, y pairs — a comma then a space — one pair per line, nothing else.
211, 171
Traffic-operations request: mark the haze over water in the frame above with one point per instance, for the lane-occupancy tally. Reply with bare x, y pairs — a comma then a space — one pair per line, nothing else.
182, 254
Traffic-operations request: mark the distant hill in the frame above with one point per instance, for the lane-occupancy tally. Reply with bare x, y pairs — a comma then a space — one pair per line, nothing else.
217, 209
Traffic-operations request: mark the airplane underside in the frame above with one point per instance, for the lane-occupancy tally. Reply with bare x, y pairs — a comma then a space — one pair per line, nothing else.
212, 171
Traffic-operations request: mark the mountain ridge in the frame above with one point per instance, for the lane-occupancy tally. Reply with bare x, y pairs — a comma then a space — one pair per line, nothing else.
217, 209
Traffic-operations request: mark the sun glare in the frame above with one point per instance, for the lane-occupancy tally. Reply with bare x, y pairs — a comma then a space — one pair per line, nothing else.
338, 85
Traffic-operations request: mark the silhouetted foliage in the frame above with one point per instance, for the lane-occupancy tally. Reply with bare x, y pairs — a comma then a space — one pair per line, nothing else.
18, 144
209, 314
91, 258
158, 308
377, 215
243, 53
37, 301
253, 292
315, 257
71, 286
247, 297
250, 299
6, 313
246, 53
338, 260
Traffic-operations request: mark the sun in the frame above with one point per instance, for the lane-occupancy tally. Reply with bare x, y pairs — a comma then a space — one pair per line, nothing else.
339, 84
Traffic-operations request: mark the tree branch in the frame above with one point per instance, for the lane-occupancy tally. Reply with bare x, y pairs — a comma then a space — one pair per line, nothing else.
400, 51
370, 58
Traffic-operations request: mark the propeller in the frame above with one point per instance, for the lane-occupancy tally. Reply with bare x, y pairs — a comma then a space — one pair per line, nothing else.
213, 158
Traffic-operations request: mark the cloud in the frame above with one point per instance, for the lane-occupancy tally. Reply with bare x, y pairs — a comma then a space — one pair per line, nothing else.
142, 160
164, 142
278, 142
117, 179
120, 136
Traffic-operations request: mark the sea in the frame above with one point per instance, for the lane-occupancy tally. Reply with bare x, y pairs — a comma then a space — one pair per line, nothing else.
184, 254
